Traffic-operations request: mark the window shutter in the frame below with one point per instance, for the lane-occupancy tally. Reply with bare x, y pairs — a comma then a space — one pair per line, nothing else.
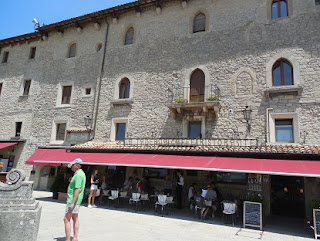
129, 36
199, 24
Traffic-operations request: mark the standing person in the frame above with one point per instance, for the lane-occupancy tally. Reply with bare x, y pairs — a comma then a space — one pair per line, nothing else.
93, 189
103, 186
180, 184
167, 186
140, 186
74, 199
191, 195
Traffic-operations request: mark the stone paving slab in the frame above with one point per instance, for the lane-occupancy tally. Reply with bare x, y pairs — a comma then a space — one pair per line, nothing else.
106, 224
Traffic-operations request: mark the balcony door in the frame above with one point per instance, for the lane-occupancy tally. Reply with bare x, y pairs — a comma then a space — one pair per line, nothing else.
197, 85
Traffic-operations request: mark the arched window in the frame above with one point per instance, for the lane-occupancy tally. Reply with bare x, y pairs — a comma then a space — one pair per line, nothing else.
279, 9
282, 73
197, 83
72, 50
199, 23
124, 89
129, 36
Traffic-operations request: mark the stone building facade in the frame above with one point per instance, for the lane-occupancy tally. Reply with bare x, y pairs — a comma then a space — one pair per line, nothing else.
236, 53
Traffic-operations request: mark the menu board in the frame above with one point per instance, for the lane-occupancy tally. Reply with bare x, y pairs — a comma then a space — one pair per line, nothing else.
316, 222
252, 214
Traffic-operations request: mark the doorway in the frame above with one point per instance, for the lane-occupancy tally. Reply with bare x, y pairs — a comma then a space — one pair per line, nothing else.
287, 196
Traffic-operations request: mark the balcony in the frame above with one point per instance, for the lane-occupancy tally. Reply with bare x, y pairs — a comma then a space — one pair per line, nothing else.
190, 102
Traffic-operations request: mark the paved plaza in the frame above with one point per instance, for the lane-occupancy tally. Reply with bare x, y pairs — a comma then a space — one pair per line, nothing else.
109, 223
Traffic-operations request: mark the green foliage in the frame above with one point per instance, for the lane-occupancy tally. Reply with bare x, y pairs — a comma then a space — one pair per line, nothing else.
256, 198
181, 100
315, 204
213, 98
60, 184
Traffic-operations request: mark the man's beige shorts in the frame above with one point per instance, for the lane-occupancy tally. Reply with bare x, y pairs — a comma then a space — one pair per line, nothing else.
75, 209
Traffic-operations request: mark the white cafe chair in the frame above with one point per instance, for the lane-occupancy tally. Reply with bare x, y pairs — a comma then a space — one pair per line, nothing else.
229, 208
135, 198
162, 201
114, 195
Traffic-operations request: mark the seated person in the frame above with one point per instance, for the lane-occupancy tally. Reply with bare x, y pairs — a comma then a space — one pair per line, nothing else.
211, 195
191, 195
128, 184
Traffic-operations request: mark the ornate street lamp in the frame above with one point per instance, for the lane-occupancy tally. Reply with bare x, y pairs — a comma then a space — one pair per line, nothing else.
247, 116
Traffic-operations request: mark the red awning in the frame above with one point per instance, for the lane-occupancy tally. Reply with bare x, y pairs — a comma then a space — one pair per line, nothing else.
305, 168
6, 144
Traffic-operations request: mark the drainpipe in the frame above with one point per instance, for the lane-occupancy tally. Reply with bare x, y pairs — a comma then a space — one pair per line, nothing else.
267, 124
97, 95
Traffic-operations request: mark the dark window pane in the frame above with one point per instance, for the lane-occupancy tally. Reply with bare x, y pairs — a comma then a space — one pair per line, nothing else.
88, 91
317, 2
274, 10
124, 89
121, 131
32, 53
197, 83
61, 129
287, 74
0, 88
277, 76
66, 94
72, 50
195, 129
5, 57
199, 24
18, 128
283, 9
26, 89
129, 36
284, 130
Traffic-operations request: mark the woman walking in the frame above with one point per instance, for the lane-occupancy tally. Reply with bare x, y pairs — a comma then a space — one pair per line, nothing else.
93, 189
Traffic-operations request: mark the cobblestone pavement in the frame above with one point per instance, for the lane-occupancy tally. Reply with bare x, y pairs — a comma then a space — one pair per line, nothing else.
106, 223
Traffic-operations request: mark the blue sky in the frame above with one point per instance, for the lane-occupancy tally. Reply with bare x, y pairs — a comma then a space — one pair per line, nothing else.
16, 15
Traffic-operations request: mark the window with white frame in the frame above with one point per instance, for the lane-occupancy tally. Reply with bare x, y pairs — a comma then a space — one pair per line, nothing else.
64, 95
119, 129
58, 133
284, 128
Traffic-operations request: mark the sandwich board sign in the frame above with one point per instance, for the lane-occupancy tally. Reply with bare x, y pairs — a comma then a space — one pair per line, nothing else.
316, 223
252, 214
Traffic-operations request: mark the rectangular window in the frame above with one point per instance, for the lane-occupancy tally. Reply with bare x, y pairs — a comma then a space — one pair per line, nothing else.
61, 130
18, 129
284, 130
318, 2
66, 94
0, 88
32, 54
88, 91
194, 130
26, 88
120, 131
5, 57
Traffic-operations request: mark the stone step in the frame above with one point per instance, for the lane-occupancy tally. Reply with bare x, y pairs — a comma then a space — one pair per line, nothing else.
19, 207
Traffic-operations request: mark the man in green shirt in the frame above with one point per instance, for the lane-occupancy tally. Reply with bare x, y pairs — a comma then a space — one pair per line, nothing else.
74, 199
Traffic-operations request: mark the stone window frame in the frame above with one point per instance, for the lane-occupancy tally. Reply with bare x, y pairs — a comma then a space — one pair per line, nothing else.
272, 129
114, 123
69, 50
269, 10
32, 53
54, 130
188, 74
59, 94
185, 125
124, 38
191, 21
294, 63
5, 57
23, 86
84, 91
117, 87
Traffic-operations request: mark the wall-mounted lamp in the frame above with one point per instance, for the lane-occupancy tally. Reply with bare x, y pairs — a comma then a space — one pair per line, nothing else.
247, 116
36, 24
87, 122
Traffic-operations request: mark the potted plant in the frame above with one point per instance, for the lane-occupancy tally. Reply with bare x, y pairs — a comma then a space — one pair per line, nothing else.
213, 98
181, 100
59, 185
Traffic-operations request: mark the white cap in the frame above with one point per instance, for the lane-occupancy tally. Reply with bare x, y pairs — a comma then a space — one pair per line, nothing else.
75, 161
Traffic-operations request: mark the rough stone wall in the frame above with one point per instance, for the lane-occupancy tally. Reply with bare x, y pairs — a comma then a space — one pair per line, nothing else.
235, 50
